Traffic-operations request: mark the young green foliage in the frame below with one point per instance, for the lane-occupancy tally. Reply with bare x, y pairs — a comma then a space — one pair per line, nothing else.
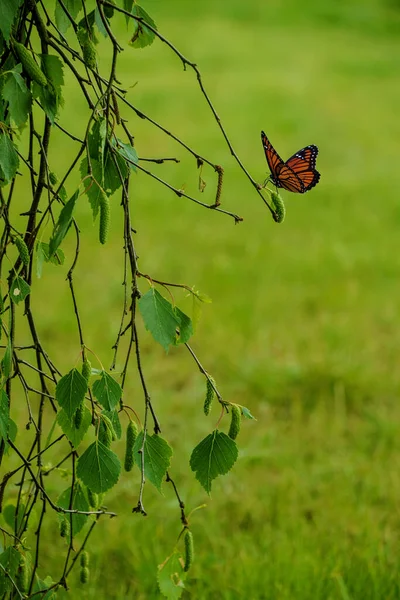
142, 35
214, 455
164, 320
70, 391
9, 161
63, 223
19, 290
171, 576
98, 467
157, 455
107, 391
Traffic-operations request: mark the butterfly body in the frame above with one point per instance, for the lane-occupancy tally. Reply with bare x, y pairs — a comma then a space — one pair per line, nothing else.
298, 174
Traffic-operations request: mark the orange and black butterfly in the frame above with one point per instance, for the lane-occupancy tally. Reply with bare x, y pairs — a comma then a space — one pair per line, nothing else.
298, 173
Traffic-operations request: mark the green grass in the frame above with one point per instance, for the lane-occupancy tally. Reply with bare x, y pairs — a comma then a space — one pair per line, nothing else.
303, 328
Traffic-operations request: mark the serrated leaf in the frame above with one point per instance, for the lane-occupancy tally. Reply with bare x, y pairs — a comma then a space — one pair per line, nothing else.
79, 502
70, 391
112, 177
18, 96
157, 457
171, 576
8, 12
159, 317
19, 290
107, 391
215, 455
4, 415
9, 560
185, 326
97, 140
92, 184
53, 68
246, 413
63, 223
99, 468
142, 35
43, 255
9, 160
62, 20
116, 423
66, 423
129, 153
48, 100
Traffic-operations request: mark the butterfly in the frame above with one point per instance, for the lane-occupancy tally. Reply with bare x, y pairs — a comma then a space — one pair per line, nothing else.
298, 173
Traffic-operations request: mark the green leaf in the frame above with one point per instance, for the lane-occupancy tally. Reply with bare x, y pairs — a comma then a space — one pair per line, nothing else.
171, 576
79, 502
112, 177
198, 300
129, 153
159, 317
53, 68
99, 22
9, 560
246, 413
4, 415
92, 184
62, 20
43, 255
215, 455
19, 290
9, 515
70, 391
63, 223
142, 35
128, 7
107, 391
114, 418
7, 361
66, 423
12, 433
99, 468
8, 12
185, 326
157, 457
9, 160
97, 140
18, 96
41, 585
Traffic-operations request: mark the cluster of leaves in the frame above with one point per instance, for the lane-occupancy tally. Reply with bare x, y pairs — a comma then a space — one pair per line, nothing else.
86, 405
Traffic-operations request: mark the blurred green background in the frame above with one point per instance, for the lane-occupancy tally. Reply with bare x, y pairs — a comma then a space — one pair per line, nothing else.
303, 328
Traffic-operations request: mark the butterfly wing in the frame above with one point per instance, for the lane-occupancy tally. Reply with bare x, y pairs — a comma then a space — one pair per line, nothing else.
302, 164
274, 161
